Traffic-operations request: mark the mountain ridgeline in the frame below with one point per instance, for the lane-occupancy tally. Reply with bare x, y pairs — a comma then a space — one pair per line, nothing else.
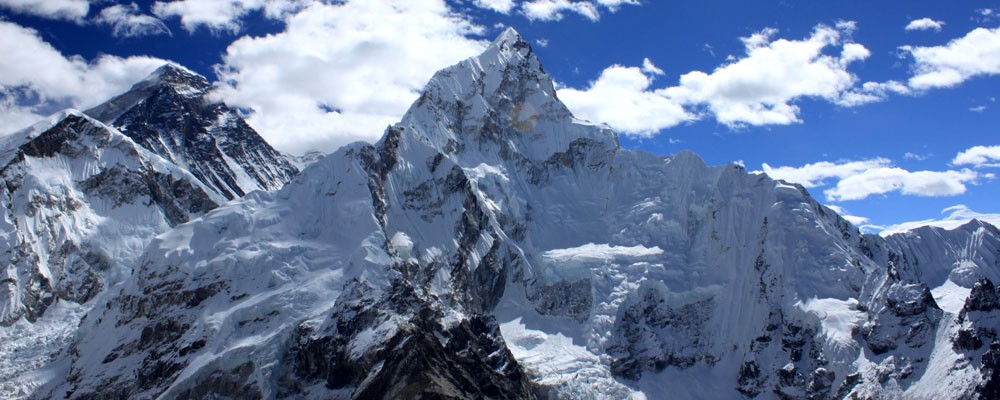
490, 245
84, 193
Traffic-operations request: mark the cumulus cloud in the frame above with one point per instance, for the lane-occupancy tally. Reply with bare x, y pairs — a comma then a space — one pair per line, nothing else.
958, 215
816, 174
43, 80
127, 21
554, 10
500, 6
342, 72
70, 10
856, 180
894, 179
975, 54
979, 156
924, 24
760, 88
763, 86
223, 15
872, 92
621, 97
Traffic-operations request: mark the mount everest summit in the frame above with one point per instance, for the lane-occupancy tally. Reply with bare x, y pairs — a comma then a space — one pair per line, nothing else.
490, 245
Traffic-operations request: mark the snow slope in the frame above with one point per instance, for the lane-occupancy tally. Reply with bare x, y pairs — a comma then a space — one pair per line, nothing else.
492, 245
80, 202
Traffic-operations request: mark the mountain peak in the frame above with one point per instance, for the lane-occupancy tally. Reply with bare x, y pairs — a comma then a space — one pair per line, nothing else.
171, 73
169, 76
170, 114
503, 95
184, 81
507, 49
509, 37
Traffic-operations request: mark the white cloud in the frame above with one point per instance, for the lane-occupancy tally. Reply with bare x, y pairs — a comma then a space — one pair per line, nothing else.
44, 80
893, 179
500, 6
975, 54
70, 10
127, 21
758, 89
816, 174
342, 72
924, 24
621, 98
223, 15
986, 15
614, 4
650, 68
979, 156
958, 215
848, 27
871, 92
554, 10
542, 42
854, 219
856, 180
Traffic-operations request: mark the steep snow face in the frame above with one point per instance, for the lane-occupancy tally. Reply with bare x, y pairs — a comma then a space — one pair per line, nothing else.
80, 202
489, 237
170, 114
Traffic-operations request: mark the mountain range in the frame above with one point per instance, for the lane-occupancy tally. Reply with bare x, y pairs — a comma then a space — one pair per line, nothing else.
490, 245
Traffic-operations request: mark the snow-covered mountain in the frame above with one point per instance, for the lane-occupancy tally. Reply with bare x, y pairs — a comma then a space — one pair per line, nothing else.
79, 203
493, 246
170, 114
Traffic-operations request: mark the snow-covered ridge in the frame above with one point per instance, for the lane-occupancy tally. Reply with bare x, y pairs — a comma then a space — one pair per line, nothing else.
491, 245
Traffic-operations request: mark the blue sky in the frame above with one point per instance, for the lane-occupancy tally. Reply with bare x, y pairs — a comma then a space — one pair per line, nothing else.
888, 112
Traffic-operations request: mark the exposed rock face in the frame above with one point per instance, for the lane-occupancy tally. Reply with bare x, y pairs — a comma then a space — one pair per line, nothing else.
492, 246
169, 113
413, 354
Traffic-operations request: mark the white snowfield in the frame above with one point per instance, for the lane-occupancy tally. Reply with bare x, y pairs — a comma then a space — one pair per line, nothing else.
620, 274
49, 208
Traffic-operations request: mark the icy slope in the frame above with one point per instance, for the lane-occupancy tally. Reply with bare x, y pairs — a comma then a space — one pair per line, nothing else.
80, 202
491, 245
170, 114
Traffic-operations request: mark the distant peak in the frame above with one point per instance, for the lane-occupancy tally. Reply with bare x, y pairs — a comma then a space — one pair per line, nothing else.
508, 43
170, 76
173, 74
172, 67
509, 36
